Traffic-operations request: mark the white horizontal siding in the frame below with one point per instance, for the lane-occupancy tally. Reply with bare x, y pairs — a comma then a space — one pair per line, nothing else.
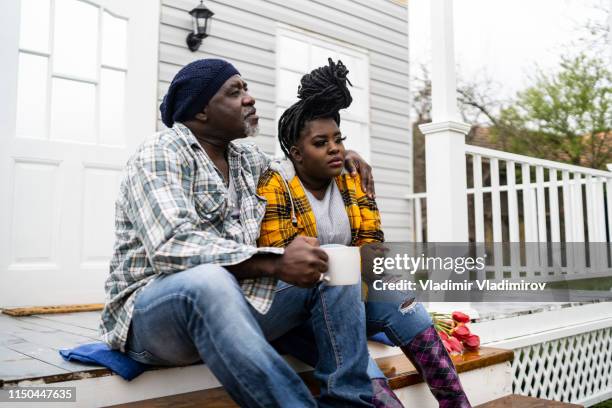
243, 32
390, 91
381, 130
390, 119
391, 105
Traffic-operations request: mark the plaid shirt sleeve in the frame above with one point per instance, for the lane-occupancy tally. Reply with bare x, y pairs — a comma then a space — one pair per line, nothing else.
163, 214
370, 229
276, 230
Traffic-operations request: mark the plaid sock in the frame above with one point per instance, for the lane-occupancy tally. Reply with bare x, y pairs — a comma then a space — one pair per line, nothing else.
384, 397
432, 361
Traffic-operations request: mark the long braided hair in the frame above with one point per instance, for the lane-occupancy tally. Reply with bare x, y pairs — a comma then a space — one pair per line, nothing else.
322, 94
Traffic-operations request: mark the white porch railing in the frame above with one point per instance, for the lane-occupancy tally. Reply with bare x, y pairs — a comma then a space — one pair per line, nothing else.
544, 209
580, 190
562, 203
417, 204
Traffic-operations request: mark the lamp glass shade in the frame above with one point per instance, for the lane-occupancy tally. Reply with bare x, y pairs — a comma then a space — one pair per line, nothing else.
201, 16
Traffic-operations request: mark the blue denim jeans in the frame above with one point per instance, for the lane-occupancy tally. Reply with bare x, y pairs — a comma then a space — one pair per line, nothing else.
400, 322
201, 313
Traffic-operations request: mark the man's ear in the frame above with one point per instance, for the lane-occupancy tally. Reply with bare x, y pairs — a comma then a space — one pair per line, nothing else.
202, 116
296, 154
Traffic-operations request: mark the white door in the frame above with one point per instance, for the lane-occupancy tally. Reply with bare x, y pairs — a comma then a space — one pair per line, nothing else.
77, 93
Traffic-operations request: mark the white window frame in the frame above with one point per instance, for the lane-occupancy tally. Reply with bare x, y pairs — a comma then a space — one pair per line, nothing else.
313, 39
93, 81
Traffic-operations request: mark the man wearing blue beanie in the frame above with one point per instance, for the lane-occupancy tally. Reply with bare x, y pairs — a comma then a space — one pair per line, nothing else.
187, 281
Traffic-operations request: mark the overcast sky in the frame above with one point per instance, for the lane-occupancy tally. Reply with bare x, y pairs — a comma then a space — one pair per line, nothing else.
505, 38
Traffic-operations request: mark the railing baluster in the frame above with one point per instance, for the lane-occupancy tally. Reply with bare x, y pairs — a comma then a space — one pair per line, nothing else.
541, 203
529, 206
553, 199
577, 212
541, 206
529, 219
600, 213
580, 264
541, 220
555, 233
598, 251
496, 214
590, 207
513, 219
478, 200
568, 220
495, 201
567, 207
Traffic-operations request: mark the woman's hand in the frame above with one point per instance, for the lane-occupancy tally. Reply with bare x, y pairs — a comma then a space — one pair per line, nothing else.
354, 163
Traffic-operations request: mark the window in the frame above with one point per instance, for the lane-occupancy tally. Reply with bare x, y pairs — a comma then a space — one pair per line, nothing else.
72, 72
297, 53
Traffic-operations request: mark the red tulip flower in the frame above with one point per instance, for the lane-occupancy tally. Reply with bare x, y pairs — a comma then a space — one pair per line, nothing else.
461, 332
472, 342
454, 332
461, 317
455, 345
447, 346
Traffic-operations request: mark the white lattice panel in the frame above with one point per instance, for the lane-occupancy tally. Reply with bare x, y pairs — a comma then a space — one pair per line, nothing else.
570, 369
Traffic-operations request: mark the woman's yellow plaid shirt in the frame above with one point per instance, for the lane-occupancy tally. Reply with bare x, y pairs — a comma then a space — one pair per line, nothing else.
279, 227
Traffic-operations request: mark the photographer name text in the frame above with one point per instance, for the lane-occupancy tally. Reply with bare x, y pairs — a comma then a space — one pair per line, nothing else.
449, 285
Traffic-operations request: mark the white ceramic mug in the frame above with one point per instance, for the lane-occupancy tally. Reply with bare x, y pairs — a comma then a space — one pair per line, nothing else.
343, 266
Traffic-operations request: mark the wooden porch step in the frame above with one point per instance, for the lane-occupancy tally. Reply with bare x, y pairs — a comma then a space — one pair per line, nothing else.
521, 401
398, 369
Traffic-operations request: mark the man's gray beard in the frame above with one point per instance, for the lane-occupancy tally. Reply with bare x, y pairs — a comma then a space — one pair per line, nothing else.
250, 130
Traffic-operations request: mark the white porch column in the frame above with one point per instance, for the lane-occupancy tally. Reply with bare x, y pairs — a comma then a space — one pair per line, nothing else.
445, 137
447, 214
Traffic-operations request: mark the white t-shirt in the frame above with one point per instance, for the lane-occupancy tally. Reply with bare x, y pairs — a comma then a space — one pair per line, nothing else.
333, 225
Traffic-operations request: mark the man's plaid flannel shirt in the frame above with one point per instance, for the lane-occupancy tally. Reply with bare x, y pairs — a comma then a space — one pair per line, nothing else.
277, 228
172, 215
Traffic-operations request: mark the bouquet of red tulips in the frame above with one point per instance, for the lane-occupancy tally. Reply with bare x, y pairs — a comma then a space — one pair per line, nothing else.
454, 332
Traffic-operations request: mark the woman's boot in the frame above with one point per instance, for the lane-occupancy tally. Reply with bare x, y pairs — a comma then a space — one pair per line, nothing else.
432, 361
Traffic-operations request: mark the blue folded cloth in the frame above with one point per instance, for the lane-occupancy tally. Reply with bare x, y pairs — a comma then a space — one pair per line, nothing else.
381, 337
101, 354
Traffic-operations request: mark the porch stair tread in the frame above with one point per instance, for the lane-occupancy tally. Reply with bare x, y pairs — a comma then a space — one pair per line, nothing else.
521, 401
29, 352
398, 369
29, 356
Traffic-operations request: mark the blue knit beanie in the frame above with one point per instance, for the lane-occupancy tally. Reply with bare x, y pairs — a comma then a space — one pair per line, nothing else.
192, 87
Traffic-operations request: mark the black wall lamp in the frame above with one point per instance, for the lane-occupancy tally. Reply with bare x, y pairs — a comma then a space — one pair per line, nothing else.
200, 16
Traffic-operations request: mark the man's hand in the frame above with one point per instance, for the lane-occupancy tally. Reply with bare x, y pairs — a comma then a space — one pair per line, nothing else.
302, 263
354, 163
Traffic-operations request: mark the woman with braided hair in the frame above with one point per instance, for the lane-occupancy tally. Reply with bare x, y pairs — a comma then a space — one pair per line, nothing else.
309, 194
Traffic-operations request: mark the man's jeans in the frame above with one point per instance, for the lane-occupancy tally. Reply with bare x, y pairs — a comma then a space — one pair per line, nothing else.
201, 313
